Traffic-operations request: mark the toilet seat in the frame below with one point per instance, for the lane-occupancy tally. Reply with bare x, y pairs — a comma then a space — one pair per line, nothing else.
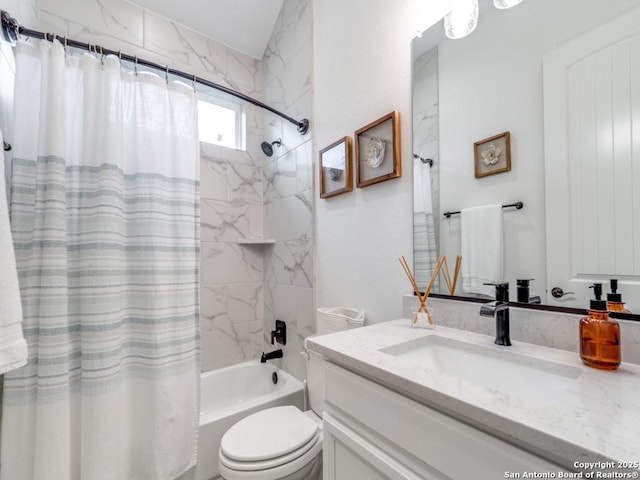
276, 440
269, 438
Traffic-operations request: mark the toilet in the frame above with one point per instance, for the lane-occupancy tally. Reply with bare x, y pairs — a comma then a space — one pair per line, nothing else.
279, 443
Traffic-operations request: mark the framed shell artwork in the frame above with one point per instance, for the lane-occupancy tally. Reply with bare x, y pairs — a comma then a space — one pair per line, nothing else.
378, 151
492, 155
335, 168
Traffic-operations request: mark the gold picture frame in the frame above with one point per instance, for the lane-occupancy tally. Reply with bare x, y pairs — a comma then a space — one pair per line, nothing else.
336, 173
378, 151
492, 155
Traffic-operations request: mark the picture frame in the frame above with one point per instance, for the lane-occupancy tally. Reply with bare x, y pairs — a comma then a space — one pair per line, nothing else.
492, 155
336, 173
378, 151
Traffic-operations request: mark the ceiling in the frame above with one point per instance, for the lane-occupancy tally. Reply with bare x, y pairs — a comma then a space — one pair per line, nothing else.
244, 25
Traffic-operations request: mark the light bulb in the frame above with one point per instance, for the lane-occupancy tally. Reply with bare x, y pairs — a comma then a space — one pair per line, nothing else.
502, 4
462, 20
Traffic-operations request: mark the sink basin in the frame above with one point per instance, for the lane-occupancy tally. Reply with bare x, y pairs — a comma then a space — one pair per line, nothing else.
497, 368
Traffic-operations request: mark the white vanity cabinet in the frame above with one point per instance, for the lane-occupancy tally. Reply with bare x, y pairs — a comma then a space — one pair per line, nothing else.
372, 432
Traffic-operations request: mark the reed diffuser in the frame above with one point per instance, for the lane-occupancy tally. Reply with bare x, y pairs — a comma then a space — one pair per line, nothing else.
422, 316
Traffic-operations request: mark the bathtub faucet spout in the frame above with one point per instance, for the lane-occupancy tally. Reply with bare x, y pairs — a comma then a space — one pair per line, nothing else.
271, 355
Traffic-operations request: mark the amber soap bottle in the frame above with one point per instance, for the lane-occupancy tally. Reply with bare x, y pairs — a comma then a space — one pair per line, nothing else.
599, 335
614, 299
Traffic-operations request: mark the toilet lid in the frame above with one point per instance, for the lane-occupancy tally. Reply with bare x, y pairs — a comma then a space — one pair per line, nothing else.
268, 434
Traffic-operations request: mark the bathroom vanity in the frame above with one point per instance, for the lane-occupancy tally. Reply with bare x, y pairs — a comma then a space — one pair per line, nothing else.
408, 403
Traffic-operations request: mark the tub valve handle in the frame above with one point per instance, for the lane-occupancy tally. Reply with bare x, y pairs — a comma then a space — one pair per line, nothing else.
280, 333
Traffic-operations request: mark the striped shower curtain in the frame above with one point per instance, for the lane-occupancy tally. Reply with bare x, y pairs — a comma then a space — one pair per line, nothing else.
104, 214
425, 246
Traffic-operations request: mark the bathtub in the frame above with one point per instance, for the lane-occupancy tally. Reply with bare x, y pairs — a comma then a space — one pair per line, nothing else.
230, 394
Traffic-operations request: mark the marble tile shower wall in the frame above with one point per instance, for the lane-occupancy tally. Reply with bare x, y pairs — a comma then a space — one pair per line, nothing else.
426, 119
288, 184
231, 275
231, 181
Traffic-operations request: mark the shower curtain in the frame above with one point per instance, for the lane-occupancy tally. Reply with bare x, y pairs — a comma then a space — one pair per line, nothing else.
425, 253
104, 213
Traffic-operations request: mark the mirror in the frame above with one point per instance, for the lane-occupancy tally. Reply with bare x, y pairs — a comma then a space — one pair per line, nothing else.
471, 89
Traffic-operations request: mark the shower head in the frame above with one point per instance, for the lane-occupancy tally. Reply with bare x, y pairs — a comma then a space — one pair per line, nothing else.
267, 147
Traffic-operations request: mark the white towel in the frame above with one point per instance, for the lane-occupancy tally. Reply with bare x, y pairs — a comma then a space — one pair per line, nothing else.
482, 248
13, 348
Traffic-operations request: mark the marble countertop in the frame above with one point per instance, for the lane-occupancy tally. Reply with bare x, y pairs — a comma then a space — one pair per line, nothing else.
597, 418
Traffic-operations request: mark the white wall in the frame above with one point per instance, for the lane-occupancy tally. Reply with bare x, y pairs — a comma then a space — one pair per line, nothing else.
362, 71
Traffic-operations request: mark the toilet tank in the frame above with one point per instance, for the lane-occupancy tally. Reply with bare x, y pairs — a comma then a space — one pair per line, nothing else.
315, 380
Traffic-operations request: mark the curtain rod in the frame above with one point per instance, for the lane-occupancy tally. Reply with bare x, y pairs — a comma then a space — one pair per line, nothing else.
11, 29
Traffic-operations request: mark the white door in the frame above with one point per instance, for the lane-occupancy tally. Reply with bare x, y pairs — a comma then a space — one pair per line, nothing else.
592, 162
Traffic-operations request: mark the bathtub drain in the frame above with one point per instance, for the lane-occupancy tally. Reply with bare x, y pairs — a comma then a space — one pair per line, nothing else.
274, 378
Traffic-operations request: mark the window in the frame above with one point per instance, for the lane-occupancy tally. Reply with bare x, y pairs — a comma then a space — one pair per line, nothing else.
221, 121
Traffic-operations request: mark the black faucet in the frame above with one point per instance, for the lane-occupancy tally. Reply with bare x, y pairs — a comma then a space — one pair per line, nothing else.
271, 355
500, 310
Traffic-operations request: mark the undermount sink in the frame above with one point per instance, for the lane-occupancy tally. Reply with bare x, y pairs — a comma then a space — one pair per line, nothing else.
497, 368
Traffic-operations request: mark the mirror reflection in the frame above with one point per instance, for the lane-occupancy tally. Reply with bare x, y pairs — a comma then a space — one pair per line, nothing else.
530, 82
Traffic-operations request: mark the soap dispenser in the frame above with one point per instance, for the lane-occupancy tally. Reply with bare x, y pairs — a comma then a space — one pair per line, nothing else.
614, 299
599, 335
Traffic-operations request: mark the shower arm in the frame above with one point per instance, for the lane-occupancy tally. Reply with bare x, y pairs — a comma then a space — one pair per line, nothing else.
11, 29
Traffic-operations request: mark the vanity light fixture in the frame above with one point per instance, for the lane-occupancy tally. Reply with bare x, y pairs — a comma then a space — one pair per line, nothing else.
462, 19
502, 4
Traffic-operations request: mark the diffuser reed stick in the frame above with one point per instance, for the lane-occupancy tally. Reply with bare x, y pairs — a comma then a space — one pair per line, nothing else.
416, 289
451, 286
456, 274
423, 298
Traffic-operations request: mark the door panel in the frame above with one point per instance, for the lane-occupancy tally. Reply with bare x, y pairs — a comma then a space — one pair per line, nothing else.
592, 161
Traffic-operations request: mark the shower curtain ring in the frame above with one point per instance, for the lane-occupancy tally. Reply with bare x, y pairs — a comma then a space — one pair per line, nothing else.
194, 82
135, 65
101, 55
166, 73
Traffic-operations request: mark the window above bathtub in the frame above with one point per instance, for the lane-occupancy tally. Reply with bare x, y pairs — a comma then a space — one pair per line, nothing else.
221, 121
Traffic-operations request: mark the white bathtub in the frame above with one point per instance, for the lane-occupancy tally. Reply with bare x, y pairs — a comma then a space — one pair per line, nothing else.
231, 393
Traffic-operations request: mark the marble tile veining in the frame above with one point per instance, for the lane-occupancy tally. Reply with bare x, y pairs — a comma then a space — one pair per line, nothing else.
213, 179
122, 20
186, 46
289, 218
245, 301
222, 262
244, 183
280, 177
213, 306
291, 263
222, 221
233, 343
